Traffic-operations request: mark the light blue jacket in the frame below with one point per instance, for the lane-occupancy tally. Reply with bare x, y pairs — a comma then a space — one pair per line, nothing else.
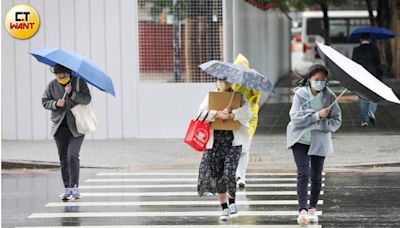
304, 118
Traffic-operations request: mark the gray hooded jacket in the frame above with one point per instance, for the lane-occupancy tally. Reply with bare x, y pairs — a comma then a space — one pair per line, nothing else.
304, 118
55, 91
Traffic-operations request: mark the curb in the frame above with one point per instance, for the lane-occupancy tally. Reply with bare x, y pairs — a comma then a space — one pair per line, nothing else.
25, 164
28, 165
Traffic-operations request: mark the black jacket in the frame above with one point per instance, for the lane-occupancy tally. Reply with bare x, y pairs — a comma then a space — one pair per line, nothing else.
55, 91
367, 55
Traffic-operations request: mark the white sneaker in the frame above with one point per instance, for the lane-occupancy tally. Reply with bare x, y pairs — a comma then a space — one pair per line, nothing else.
312, 215
372, 117
233, 212
303, 217
75, 193
66, 195
240, 182
364, 124
225, 215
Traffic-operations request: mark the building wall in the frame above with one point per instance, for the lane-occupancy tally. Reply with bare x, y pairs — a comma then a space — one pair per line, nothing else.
263, 36
104, 31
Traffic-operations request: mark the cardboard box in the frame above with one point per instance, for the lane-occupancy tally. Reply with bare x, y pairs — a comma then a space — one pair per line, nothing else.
219, 101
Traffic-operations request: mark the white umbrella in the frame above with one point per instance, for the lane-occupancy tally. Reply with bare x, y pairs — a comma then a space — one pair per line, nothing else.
355, 77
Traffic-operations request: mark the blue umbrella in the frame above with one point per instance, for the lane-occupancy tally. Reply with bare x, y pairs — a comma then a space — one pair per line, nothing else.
80, 66
237, 74
374, 32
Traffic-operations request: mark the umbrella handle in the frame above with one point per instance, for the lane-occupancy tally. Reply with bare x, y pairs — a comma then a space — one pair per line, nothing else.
337, 98
230, 103
65, 93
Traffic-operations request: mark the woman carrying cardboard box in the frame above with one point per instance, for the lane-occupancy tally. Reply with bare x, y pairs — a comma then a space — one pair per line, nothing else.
217, 171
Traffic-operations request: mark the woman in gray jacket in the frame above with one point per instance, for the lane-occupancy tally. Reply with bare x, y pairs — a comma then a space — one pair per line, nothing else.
60, 96
309, 136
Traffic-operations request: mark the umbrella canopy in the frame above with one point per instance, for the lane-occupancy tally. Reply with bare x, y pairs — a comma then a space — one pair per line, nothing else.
355, 77
374, 32
237, 74
79, 65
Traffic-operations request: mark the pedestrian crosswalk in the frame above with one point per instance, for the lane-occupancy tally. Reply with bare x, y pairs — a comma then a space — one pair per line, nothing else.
170, 199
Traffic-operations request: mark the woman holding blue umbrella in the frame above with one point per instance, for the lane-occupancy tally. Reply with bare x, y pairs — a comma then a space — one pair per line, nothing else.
60, 96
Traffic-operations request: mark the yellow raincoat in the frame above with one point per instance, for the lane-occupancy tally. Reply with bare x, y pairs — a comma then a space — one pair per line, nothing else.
252, 96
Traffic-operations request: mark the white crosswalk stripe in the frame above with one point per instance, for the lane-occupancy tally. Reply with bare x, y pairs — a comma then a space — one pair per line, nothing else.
248, 186
247, 193
186, 180
171, 203
160, 214
107, 196
180, 226
190, 174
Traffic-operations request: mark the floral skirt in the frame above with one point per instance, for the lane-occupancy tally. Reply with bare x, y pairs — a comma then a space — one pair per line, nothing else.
217, 172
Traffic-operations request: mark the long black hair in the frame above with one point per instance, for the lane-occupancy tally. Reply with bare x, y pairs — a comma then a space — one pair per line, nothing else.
317, 68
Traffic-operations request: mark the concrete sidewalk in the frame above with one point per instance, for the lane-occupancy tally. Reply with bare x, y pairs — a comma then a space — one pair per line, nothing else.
268, 152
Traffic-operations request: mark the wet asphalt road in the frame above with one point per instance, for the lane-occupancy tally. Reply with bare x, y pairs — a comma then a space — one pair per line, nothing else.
355, 198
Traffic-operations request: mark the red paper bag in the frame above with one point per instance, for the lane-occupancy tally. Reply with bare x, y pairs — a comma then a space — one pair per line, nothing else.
198, 134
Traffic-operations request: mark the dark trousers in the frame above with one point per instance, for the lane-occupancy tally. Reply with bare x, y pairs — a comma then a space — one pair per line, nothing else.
304, 171
68, 150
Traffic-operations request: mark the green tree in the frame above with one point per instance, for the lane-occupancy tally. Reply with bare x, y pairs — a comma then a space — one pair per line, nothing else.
395, 15
386, 10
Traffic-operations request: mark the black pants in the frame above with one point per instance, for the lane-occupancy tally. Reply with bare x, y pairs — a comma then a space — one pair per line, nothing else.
303, 175
68, 150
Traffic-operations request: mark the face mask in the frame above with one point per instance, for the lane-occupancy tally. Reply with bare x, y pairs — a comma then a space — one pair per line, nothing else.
318, 85
64, 81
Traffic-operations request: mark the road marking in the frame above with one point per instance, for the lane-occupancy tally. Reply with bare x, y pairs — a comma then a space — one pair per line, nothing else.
182, 186
189, 174
160, 214
185, 180
251, 193
177, 226
172, 203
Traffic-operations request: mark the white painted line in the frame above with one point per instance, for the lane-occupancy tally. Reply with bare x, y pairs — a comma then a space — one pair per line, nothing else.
180, 186
189, 174
275, 185
185, 180
139, 186
160, 214
177, 226
252, 193
171, 203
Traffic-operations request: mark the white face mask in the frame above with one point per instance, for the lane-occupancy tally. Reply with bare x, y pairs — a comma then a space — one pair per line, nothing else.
318, 85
